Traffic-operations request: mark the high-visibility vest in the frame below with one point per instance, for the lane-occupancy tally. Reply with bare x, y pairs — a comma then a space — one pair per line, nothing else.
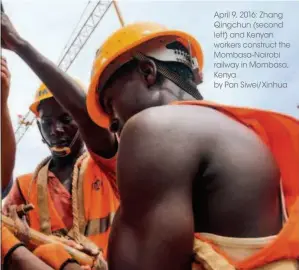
97, 203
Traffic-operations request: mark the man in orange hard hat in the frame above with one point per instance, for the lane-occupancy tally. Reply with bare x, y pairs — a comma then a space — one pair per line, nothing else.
74, 193
197, 180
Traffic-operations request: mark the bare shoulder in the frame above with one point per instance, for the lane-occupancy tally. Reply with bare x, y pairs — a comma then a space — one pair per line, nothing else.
169, 118
167, 136
185, 133
186, 124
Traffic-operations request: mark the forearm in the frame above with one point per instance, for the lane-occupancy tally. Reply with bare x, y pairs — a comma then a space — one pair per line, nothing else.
23, 259
70, 95
8, 148
61, 85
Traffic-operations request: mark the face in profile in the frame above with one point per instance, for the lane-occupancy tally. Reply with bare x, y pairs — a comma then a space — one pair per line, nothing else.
130, 92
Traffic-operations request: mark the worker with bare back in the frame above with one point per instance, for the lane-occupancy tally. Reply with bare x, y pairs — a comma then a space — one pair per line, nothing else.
199, 182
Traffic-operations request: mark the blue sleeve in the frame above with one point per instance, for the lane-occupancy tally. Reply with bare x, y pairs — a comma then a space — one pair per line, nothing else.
7, 189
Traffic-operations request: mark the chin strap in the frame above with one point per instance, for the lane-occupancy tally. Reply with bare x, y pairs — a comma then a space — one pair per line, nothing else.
64, 151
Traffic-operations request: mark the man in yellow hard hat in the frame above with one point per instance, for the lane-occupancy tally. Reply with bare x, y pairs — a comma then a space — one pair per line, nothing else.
74, 193
196, 179
13, 253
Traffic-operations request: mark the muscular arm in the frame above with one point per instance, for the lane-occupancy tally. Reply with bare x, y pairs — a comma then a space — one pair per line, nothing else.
154, 226
67, 92
70, 95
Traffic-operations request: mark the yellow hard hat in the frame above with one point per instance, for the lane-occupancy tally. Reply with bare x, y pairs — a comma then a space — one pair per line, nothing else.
120, 47
44, 93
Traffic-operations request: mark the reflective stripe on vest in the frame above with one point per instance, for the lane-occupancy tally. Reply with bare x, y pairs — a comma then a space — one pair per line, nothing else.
97, 203
99, 225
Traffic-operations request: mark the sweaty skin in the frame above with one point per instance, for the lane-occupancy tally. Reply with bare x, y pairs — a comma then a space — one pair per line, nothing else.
181, 170
67, 92
8, 143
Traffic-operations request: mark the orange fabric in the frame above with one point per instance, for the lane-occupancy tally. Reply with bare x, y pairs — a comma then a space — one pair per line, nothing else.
53, 255
8, 241
109, 166
100, 200
62, 200
281, 134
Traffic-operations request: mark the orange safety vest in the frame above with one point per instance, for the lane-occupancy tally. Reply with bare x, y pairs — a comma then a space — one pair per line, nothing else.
97, 205
281, 134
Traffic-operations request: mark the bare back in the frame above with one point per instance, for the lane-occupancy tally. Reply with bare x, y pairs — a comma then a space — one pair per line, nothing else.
187, 169
236, 192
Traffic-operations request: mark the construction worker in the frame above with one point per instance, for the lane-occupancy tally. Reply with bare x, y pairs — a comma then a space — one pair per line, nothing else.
74, 193
14, 254
195, 177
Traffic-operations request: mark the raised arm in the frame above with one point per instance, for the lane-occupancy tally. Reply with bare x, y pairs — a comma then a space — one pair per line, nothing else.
66, 91
154, 226
8, 143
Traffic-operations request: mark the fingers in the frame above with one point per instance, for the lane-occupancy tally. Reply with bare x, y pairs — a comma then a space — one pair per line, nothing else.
4, 63
3, 59
4, 68
24, 220
5, 73
73, 244
12, 212
100, 263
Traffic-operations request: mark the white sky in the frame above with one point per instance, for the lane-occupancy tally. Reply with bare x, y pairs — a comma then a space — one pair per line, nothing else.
47, 24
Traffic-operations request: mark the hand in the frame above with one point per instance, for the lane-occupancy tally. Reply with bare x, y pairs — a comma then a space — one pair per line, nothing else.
5, 80
9, 35
99, 262
22, 228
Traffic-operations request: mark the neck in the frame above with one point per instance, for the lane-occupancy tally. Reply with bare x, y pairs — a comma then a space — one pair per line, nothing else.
180, 96
59, 163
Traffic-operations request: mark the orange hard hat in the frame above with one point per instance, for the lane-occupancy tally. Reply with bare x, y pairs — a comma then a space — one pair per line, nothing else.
44, 93
119, 48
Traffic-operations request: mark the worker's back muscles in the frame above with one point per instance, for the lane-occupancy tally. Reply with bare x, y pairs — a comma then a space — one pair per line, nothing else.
238, 181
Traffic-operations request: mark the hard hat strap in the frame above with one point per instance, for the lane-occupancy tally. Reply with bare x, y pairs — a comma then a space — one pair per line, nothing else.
60, 151
188, 86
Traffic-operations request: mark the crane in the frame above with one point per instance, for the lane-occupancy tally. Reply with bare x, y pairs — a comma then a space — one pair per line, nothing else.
72, 52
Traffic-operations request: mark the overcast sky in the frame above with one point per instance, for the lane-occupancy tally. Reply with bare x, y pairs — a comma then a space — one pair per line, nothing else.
47, 24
